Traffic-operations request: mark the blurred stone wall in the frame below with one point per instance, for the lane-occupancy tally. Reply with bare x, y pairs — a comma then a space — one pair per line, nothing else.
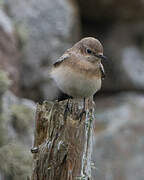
16, 132
33, 34
46, 29
119, 126
119, 25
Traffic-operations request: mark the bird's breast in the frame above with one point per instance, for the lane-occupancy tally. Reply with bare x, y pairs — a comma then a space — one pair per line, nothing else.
76, 83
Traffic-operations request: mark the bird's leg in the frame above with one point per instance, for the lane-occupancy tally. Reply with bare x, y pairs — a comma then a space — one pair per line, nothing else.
83, 112
66, 109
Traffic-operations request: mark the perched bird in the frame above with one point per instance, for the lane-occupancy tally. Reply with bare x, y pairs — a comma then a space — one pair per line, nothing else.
78, 72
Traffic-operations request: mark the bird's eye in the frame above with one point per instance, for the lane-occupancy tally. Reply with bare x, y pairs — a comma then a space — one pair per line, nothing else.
89, 51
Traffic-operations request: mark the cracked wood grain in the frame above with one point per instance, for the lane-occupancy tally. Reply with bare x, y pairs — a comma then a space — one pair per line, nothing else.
63, 142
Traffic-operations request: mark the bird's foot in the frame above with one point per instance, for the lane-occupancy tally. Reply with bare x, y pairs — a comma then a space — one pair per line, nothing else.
81, 114
67, 109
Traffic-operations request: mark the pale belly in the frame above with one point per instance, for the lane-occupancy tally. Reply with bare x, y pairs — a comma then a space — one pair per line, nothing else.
74, 83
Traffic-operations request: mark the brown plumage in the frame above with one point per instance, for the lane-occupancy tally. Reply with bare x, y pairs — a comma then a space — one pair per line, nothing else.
79, 71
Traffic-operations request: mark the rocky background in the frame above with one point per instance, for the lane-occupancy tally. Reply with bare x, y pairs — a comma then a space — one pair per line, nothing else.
33, 34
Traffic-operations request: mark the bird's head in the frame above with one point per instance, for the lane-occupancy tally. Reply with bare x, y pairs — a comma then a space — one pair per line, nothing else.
92, 49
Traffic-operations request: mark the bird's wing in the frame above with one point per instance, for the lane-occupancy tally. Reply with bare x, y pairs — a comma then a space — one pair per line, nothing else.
61, 59
102, 71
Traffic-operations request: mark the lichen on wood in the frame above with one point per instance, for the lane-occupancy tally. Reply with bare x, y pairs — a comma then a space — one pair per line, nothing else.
63, 141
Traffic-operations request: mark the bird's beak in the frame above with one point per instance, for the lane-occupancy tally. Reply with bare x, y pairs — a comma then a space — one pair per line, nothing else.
102, 57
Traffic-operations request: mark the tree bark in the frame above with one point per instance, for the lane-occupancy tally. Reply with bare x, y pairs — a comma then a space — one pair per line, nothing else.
63, 141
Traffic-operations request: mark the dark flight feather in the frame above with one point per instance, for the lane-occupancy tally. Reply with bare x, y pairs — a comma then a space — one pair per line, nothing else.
61, 59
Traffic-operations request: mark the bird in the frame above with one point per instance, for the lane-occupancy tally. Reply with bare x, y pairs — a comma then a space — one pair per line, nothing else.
78, 73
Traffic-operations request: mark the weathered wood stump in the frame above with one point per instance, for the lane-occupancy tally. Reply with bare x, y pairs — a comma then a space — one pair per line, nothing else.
63, 141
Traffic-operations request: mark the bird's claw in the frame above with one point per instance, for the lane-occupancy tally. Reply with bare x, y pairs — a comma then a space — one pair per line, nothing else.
66, 109
82, 113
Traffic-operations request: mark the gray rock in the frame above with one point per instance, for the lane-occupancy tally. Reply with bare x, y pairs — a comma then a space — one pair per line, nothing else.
48, 28
125, 50
133, 65
9, 53
17, 119
4, 82
119, 144
16, 162
16, 135
5, 23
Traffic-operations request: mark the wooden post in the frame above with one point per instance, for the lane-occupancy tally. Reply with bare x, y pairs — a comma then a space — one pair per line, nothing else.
63, 141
